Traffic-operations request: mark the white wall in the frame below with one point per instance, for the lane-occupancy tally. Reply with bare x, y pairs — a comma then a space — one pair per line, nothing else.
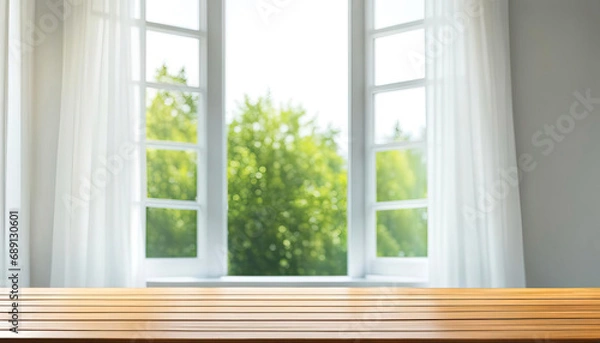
46, 107
555, 50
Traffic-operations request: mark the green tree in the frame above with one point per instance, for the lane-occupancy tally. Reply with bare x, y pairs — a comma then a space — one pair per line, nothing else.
401, 175
287, 194
171, 174
287, 185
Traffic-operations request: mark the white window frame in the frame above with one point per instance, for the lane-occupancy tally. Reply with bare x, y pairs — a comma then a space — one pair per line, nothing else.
409, 267
210, 265
173, 267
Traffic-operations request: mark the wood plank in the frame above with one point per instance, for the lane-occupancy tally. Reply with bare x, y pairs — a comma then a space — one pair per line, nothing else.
323, 325
271, 316
382, 296
302, 303
293, 336
504, 292
307, 314
305, 309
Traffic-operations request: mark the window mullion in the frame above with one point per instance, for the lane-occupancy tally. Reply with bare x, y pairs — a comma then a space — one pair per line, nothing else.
142, 114
400, 28
357, 187
179, 31
216, 152
397, 86
172, 204
370, 239
399, 204
421, 145
169, 145
173, 87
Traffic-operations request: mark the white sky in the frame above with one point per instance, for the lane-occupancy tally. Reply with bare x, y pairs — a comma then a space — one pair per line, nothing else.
298, 53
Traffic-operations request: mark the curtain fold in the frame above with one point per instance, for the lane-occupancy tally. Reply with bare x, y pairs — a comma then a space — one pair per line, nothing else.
97, 240
16, 46
475, 233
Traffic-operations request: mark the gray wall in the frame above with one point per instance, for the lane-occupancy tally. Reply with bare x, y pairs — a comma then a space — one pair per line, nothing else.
46, 107
555, 51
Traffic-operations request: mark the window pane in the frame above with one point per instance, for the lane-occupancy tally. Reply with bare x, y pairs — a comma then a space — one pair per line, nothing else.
172, 115
400, 116
401, 175
170, 232
400, 57
171, 174
172, 59
287, 104
182, 13
394, 12
402, 233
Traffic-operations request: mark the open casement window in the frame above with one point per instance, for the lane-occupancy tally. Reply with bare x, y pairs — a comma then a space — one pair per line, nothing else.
396, 136
173, 72
278, 149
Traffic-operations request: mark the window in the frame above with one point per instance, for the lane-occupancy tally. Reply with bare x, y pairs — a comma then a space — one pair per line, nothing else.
173, 84
284, 138
287, 120
396, 139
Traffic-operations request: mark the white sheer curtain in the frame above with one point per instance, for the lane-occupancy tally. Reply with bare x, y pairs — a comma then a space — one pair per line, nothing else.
97, 239
475, 229
16, 46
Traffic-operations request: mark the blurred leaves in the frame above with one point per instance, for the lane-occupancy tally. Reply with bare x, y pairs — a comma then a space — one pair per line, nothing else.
171, 115
287, 189
402, 233
287, 194
171, 174
170, 233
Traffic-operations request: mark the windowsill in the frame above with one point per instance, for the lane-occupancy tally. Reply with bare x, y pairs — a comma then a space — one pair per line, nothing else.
288, 281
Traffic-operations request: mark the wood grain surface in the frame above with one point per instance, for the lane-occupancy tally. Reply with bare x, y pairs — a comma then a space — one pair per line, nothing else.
304, 315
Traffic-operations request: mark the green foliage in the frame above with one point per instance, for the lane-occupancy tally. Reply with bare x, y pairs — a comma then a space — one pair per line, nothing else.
402, 233
170, 233
401, 175
287, 194
171, 174
172, 115
287, 189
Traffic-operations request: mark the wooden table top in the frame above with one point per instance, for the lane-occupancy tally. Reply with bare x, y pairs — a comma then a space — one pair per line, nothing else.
305, 315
